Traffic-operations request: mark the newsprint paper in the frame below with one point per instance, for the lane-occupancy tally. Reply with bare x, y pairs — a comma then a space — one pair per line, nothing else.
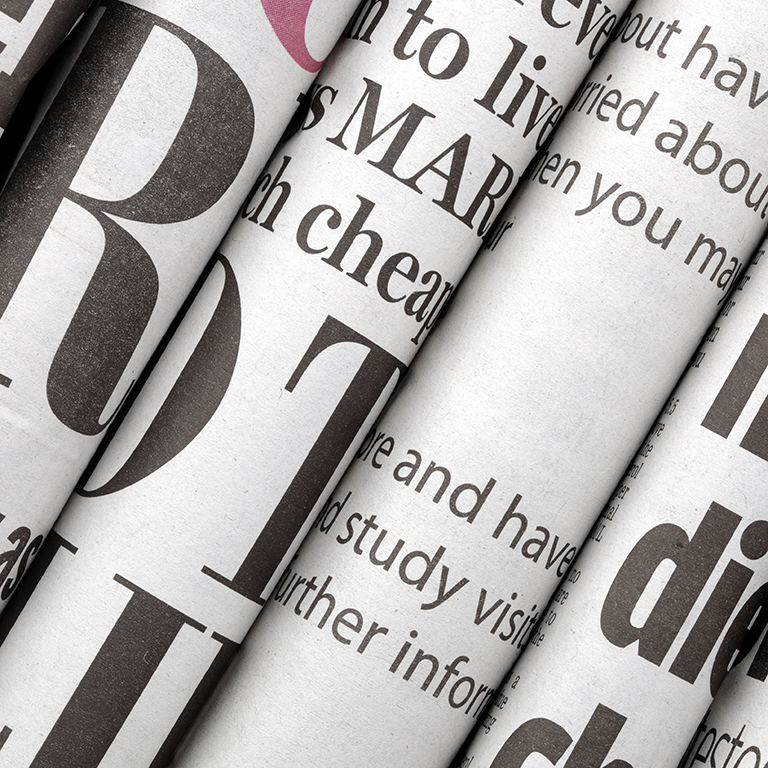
341, 260
129, 184
669, 593
734, 732
432, 564
30, 31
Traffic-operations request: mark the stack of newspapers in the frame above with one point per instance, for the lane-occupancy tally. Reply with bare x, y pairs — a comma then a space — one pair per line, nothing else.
280, 486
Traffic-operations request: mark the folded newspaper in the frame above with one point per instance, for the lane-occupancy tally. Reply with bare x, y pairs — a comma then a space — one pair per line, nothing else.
670, 592
115, 207
340, 262
432, 563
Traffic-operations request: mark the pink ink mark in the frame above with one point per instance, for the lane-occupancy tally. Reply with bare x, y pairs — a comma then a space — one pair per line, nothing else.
289, 20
